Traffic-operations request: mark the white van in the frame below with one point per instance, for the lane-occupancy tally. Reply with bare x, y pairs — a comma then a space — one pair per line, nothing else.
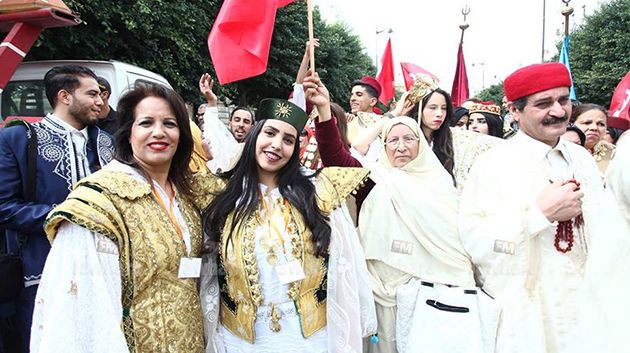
25, 96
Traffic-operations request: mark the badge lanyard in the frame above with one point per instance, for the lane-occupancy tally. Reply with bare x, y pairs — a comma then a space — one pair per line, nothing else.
271, 224
171, 215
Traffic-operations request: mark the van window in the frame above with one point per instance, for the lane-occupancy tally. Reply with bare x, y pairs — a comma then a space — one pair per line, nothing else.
24, 98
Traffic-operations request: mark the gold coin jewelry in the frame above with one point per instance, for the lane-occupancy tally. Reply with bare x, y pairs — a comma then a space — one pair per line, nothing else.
276, 315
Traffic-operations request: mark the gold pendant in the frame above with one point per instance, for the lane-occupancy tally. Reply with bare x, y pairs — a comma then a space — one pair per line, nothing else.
272, 259
276, 315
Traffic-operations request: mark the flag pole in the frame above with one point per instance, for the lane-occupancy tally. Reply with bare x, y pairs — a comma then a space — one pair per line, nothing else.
310, 34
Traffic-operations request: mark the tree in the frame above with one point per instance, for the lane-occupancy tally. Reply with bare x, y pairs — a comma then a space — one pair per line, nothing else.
493, 93
170, 38
599, 52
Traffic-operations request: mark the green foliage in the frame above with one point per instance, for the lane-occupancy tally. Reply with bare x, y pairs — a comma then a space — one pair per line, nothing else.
170, 38
493, 93
598, 52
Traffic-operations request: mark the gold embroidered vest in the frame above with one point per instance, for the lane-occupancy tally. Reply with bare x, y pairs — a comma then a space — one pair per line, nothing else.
161, 312
241, 292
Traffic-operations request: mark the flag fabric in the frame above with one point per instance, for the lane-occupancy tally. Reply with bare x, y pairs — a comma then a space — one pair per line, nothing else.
564, 58
621, 99
460, 92
386, 76
410, 72
240, 38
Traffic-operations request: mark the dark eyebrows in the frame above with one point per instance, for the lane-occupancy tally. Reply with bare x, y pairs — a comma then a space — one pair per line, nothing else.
272, 128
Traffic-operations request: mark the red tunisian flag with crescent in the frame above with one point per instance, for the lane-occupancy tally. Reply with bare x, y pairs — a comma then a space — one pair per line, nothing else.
240, 38
460, 92
621, 99
386, 75
410, 72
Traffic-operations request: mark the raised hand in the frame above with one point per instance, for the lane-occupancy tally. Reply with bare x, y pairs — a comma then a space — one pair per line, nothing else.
403, 106
205, 87
315, 91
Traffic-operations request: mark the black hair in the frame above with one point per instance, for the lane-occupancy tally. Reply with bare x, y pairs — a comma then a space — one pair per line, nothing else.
342, 123
369, 89
520, 103
585, 107
103, 84
579, 132
615, 133
64, 77
241, 196
244, 109
442, 137
179, 172
494, 122
458, 113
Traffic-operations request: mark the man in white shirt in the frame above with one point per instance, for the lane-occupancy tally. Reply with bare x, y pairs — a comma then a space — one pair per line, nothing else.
531, 223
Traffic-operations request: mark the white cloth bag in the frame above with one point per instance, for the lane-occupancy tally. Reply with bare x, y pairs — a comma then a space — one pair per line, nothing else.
437, 318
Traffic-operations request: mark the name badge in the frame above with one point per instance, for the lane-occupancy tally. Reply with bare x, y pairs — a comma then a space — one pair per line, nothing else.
290, 272
189, 267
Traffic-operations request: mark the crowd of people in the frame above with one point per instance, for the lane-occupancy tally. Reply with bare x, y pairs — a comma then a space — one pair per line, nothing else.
302, 227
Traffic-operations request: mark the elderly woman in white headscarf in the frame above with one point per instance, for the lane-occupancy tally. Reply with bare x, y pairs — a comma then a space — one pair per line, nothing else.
422, 277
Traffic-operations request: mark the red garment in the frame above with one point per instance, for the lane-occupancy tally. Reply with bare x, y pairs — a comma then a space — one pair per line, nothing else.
386, 76
240, 38
333, 154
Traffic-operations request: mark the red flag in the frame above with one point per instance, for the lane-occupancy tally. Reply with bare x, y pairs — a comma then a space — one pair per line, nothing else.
621, 99
411, 70
386, 75
459, 93
241, 36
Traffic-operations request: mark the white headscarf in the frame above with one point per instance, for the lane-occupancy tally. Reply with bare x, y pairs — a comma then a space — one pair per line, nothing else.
414, 206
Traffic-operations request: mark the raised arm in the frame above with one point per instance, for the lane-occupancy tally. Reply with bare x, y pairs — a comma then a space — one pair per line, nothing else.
329, 142
224, 148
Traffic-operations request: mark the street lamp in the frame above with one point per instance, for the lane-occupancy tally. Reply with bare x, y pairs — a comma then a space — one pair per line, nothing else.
483, 74
379, 31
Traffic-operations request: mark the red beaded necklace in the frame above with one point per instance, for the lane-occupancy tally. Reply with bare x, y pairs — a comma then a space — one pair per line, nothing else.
564, 231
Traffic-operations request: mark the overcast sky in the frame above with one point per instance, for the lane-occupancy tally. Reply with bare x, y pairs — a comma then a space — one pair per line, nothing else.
503, 34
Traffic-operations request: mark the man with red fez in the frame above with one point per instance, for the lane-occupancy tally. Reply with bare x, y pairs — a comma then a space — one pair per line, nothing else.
365, 93
538, 227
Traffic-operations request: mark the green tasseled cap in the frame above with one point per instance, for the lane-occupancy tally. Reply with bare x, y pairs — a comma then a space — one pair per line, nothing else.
280, 109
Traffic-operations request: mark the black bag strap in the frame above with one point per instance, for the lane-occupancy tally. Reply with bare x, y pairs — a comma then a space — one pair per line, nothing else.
31, 167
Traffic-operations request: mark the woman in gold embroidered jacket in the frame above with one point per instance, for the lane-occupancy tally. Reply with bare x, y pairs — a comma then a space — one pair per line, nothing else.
118, 277
291, 272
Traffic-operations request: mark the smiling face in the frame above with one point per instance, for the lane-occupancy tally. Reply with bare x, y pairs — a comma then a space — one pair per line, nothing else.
593, 124
274, 147
240, 124
84, 103
401, 145
154, 134
545, 116
361, 100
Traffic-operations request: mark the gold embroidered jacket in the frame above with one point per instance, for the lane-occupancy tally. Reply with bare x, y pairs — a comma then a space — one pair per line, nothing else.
161, 312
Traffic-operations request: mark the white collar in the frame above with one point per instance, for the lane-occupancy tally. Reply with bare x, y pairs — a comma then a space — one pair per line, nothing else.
69, 127
540, 149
